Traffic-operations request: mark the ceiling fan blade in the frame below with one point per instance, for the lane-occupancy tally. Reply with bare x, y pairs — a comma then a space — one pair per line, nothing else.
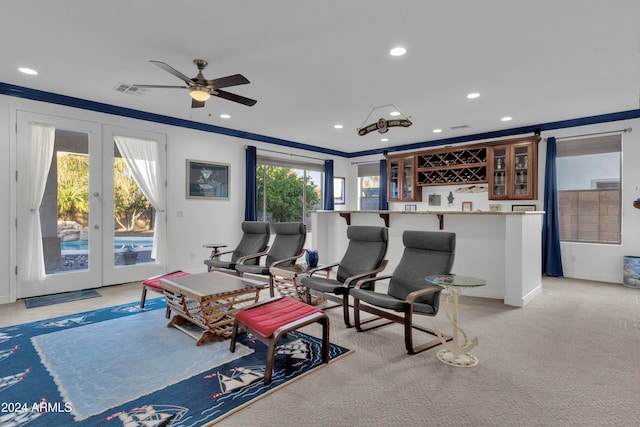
233, 97
235, 80
168, 68
196, 104
161, 87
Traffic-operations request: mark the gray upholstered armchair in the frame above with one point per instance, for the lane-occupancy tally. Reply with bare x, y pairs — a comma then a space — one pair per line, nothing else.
364, 258
425, 253
255, 239
287, 247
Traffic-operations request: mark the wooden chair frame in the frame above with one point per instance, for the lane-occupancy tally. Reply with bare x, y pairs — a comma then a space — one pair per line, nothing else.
342, 301
390, 317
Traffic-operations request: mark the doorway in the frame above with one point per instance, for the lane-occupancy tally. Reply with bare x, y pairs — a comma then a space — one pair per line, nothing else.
74, 230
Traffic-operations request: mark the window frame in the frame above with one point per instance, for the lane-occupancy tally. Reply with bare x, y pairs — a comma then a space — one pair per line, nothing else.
306, 167
574, 148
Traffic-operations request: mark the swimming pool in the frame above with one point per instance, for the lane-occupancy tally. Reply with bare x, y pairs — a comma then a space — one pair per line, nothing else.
139, 243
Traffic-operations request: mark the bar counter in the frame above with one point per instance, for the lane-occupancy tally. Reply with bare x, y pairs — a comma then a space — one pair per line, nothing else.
503, 248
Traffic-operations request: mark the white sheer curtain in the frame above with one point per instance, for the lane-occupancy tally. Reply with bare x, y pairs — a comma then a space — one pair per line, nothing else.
39, 155
143, 160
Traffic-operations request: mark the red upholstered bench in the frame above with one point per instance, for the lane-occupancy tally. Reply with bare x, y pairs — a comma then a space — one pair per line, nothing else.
270, 319
153, 283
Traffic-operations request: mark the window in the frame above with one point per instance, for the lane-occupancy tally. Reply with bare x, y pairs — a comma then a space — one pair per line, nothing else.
368, 186
589, 183
288, 191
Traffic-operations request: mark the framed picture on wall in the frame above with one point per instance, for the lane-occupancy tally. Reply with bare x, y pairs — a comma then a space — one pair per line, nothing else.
467, 206
207, 180
523, 208
435, 200
338, 190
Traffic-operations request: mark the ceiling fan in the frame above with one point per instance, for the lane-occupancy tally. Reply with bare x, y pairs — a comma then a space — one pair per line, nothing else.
202, 89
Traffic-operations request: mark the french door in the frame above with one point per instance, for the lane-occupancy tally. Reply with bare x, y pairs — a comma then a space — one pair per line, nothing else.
65, 203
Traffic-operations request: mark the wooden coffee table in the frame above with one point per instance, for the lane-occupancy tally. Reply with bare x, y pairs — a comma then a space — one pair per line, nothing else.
209, 301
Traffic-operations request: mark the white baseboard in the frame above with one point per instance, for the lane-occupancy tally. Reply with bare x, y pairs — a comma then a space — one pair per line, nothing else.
522, 302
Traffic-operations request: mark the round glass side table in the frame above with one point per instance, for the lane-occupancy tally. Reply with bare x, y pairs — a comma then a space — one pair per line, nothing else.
456, 352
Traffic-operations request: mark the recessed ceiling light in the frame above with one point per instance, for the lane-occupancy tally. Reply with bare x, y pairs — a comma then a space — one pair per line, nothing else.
384, 139
437, 130
394, 113
473, 95
338, 126
29, 71
506, 118
397, 51
225, 116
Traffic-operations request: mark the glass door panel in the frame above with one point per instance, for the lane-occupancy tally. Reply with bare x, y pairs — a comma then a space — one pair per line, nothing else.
394, 179
407, 179
521, 182
499, 172
66, 199
133, 218
70, 211
130, 228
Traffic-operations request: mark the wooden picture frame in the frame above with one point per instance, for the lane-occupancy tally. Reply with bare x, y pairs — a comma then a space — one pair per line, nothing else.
467, 206
207, 180
523, 208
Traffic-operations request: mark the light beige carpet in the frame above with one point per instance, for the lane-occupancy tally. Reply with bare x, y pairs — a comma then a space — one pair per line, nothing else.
570, 358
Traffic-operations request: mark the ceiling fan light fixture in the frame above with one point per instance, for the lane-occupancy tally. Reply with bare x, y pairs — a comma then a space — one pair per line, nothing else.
200, 94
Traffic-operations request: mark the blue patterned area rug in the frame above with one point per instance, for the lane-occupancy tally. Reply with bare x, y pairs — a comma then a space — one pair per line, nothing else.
60, 298
121, 366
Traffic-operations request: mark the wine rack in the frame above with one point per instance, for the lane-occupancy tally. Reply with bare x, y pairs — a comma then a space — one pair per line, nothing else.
452, 176
452, 166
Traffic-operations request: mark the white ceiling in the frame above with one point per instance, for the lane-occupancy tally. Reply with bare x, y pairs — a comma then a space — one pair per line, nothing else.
315, 64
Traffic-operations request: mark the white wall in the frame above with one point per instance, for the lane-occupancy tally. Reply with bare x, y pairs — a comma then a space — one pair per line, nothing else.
580, 260
191, 223
6, 162
604, 262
